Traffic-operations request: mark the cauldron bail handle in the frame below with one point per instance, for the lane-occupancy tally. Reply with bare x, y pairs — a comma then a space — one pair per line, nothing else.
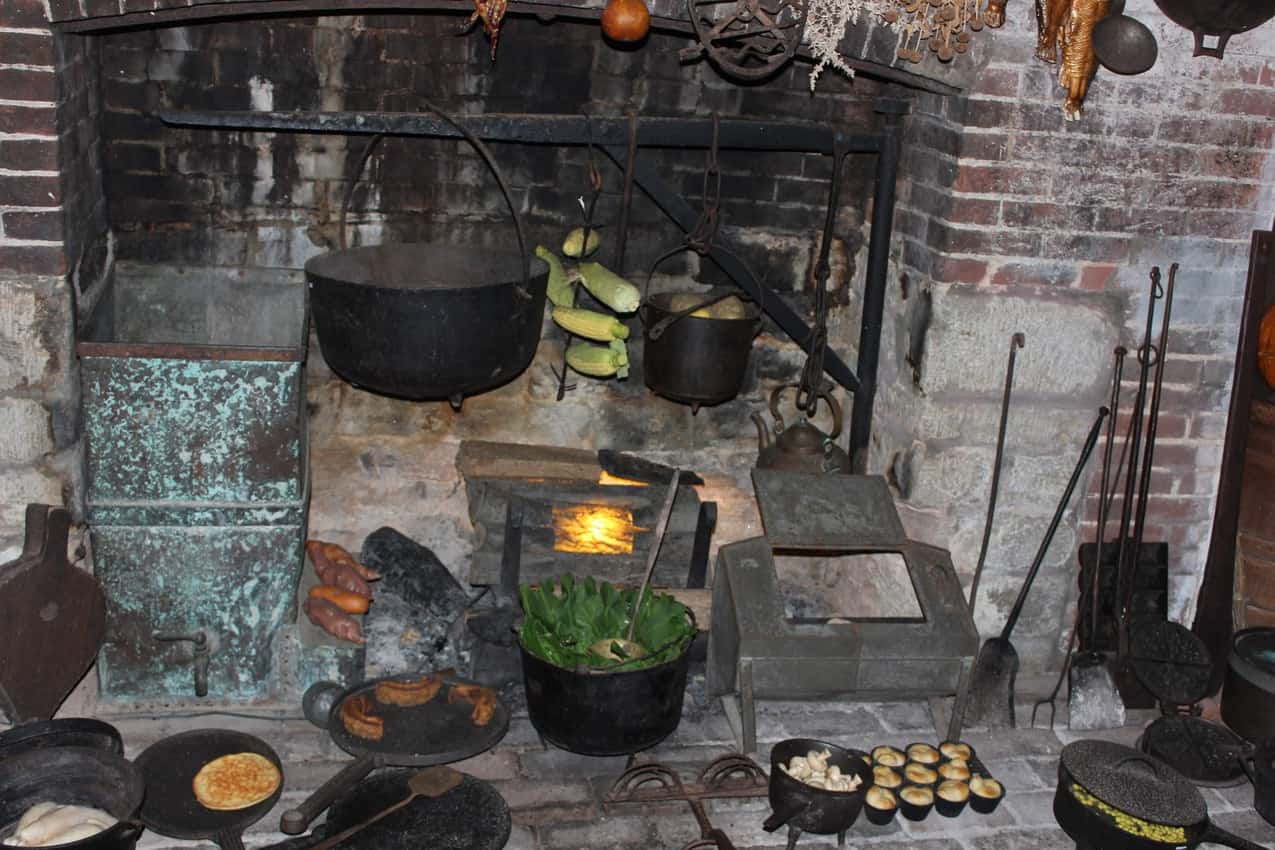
523, 291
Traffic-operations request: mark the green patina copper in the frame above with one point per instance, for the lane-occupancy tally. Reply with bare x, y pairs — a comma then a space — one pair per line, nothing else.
194, 417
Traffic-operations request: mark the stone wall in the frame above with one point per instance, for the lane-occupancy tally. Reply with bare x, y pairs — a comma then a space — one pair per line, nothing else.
52, 226
1013, 219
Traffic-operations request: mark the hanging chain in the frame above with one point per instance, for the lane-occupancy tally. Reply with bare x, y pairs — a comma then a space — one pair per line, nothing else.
700, 238
813, 384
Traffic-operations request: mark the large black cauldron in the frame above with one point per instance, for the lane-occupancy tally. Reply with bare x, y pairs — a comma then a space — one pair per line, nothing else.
426, 321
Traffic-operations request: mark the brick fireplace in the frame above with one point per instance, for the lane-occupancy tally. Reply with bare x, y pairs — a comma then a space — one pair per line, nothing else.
1008, 219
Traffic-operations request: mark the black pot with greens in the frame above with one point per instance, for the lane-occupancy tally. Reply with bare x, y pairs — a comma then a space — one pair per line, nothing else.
591, 691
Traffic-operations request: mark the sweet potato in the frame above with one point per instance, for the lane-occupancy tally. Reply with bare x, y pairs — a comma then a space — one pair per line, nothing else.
333, 620
350, 603
343, 577
336, 555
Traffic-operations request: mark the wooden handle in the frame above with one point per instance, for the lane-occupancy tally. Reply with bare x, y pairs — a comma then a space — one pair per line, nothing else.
294, 821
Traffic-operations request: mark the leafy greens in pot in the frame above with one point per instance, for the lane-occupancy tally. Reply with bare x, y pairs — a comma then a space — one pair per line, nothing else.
562, 625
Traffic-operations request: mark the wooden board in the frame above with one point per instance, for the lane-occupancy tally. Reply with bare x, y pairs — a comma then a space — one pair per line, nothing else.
49, 606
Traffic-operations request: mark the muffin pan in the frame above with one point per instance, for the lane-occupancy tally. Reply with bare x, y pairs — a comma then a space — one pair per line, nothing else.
921, 778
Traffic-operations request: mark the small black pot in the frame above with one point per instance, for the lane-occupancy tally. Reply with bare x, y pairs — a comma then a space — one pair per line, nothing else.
605, 714
75, 775
801, 806
696, 360
914, 811
1248, 695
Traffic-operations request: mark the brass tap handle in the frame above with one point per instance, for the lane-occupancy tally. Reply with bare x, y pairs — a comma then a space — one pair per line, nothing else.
202, 650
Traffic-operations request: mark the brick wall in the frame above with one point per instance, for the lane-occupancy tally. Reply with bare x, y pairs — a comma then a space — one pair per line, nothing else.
264, 199
1007, 212
52, 221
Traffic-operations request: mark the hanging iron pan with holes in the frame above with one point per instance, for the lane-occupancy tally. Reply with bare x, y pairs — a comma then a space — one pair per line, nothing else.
1113, 797
428, 320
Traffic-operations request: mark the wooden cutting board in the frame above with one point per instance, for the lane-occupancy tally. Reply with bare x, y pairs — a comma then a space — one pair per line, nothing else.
46, 602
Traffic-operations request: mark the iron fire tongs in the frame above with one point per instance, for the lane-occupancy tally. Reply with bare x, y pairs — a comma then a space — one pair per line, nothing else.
729, 776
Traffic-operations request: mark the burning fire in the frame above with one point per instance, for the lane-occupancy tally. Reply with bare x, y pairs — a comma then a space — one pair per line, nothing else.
593, 529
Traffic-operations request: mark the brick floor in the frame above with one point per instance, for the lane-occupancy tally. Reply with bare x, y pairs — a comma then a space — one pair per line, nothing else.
556, 797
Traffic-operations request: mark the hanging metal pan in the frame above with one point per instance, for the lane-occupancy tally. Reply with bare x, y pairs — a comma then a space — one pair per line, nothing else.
435, 732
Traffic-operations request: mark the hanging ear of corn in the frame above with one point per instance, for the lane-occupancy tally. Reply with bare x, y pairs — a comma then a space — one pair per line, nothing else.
560, 291
573, 245
609, 288
590, 324
599, 361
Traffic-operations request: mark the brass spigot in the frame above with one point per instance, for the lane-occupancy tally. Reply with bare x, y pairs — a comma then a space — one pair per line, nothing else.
202, 654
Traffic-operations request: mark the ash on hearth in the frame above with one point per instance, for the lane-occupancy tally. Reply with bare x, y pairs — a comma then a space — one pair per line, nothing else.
417, 622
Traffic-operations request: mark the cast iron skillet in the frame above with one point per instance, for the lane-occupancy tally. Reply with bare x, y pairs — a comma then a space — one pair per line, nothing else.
1117, 798
86, 776
811, 809
63, 732
436, 732
169, 767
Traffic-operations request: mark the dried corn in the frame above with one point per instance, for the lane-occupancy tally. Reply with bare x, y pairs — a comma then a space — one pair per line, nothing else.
559, 289
590, 324
609, 288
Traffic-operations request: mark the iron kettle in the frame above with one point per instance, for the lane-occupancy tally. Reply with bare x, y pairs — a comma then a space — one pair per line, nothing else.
800, 447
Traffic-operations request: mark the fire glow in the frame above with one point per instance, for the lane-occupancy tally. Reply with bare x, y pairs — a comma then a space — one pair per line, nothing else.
593, 529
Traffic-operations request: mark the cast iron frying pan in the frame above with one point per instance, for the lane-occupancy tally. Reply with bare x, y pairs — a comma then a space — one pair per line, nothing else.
169, 767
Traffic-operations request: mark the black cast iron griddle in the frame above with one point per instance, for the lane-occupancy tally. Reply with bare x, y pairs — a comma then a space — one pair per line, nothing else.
436, 732
169, 767
471, 816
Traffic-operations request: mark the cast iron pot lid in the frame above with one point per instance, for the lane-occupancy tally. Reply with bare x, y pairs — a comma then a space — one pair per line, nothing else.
1253, 657
1134, 783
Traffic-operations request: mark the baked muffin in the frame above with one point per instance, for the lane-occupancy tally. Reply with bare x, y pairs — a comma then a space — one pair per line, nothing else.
956, 750
923, 753
885, 777
919, 774
954, 770
888, 756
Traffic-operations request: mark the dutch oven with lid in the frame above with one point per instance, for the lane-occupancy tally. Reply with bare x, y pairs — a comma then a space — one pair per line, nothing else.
1116, 798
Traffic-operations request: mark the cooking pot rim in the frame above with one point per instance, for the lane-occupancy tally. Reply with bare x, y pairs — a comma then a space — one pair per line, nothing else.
660, 301
342, 267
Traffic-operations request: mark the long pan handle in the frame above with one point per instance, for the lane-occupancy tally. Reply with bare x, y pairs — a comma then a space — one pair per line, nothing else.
295, 821
1216, 835
1090, 442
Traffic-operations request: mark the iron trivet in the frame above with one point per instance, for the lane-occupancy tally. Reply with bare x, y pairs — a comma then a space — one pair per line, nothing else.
757, 652
728, 776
